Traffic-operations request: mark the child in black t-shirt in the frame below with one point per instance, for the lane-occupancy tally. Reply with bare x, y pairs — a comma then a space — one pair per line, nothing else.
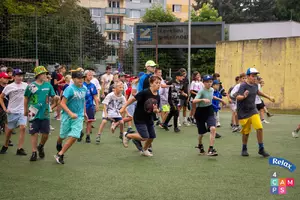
147, 104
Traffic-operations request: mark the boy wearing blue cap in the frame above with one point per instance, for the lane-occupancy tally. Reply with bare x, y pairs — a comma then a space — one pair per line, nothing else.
204, 115
247, 112
215, 102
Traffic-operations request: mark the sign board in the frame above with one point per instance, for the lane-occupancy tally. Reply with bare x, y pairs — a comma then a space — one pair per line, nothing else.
175, 35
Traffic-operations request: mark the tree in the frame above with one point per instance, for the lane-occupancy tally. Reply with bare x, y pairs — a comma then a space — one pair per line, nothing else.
288, 10
206, 13
157, 14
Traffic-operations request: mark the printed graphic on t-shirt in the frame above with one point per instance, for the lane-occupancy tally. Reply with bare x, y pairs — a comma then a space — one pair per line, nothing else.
114, 104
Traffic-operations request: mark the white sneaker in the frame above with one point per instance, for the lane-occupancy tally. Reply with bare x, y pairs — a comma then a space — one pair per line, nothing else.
186, 123
265, 121
125, 140
218, 124
147, 153
51, 128
294, 134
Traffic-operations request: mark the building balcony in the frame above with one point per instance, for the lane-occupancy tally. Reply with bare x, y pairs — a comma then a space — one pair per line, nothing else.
115, 11
111, 59
114, 27
115, 43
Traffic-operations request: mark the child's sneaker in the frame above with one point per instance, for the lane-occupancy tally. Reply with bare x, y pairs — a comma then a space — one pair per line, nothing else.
98, 138
212, 152
21, 152
41, 151
263, 152
218, 135
147, 153
269, 114
130, 130
295, 134
10, 143
186, 123
33, 156
81, 136
201, 149
59, 159
265, 121
3, 150
88, 139
125, 140
218, 124
244, 153
176, 130
235, 129
165, 127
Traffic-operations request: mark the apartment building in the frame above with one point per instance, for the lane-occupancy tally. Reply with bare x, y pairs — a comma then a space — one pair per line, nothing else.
116, 18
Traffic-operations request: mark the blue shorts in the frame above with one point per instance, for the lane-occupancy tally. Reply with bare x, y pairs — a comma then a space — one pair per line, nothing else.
131, 109
39, 126
146, 130
16, 119
70, 127
91, 114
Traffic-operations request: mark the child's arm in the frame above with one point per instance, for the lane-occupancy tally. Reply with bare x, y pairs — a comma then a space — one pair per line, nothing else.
64, 106
219, 99
266, 96
96, 99
2, 102
25, 106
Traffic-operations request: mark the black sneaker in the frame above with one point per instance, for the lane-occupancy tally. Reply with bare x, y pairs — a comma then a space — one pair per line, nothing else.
150, 149
21, 152
165, 127
121, 136
190, 120
244, 153
10, 143
201, 149
212, 152
129, 130
138, 144
33, 156
263, 153
41, 151
218, 135
81, 136
176, 130
58, 147
3, 150
88, 139
269, 114
59, 159
158, 123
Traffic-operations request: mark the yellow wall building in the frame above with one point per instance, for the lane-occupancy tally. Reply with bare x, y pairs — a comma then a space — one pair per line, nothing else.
180, 8
277, 60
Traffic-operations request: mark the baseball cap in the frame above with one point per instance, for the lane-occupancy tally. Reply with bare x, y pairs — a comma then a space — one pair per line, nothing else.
4, 75
150, 63
116, 72
216, 82
122, 74
77, 74
207, 78
251, 71
78, 69
40, 70
178, 73
18, 72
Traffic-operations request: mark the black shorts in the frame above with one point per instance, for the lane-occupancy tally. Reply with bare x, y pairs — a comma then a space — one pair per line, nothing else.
260, 106
205, 119
183, 102
146, 130
90, 112
39, 126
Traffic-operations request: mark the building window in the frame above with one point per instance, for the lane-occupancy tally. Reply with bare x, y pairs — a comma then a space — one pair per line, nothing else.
96, 12
176, 8
135, 14
114, 20
113, 36
114, 4
131, 29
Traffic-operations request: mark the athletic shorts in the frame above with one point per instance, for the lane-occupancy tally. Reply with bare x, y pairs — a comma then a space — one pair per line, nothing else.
91, 114
115, 119
14, 120
131, 109
205, 119
166, 108
233, 107
39, 126
146, 130
183, 102
70, 127
260, 106
254, 121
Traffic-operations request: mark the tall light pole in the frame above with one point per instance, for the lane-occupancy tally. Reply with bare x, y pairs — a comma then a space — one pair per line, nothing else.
189, 43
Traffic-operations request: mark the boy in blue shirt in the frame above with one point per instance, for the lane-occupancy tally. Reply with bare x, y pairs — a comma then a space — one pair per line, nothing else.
215, 102
90, 98
73, 105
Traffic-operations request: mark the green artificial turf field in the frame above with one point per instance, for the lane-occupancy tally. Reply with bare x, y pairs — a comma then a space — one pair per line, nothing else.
109, 171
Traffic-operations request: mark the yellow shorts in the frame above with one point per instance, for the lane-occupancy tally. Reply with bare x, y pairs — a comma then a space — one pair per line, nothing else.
254, 120
166, 108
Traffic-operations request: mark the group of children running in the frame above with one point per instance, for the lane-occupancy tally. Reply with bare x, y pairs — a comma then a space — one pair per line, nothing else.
141, 100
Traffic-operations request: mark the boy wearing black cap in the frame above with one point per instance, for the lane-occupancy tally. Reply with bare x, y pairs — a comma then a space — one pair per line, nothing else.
174, 101
204, 115
73, 105
15, 110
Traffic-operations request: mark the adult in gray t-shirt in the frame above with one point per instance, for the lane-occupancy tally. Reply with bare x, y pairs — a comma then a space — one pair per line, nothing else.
246, 107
